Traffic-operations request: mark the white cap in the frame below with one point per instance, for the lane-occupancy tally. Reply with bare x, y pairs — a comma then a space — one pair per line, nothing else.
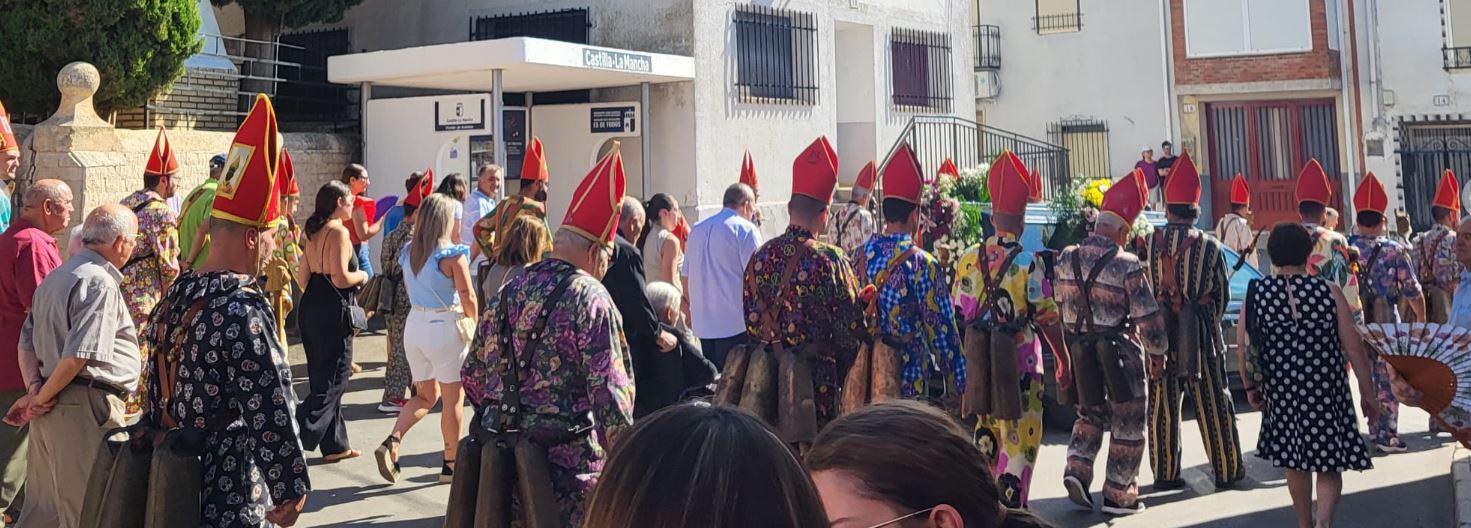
1145, 148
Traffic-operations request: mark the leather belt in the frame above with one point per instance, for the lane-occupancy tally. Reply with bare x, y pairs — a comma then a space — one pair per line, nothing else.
100, 385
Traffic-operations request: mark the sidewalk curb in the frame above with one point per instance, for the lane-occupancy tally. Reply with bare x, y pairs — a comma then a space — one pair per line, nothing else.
1461, 479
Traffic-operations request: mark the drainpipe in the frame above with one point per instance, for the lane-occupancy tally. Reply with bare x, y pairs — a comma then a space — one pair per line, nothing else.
1345, 76
1166, 74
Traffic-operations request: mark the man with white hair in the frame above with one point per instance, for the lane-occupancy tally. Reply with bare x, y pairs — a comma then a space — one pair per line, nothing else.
79, 355
625, 282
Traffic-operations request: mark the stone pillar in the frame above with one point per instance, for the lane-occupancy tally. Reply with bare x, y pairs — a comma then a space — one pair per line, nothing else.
75, 145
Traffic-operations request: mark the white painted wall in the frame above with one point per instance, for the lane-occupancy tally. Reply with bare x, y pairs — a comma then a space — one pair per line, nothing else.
1110, 70
572, 150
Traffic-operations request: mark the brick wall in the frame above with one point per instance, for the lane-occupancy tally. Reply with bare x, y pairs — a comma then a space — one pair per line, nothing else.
203, 99
1320, 63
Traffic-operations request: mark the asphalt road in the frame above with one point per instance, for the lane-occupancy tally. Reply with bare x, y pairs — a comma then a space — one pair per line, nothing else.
1403, 490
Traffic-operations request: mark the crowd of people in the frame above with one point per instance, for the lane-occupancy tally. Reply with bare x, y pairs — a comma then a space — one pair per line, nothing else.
837, 374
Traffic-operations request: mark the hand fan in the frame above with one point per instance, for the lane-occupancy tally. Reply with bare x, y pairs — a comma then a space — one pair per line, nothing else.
1434, 359
384, 205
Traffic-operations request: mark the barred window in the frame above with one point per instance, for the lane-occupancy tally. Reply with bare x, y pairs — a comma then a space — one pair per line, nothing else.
920, 71
776, 55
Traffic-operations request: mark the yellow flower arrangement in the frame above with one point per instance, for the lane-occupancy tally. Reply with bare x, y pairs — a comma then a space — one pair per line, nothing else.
1093, 191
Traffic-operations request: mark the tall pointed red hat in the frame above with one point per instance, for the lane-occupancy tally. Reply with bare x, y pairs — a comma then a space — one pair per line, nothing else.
902, 178
1009, 185
748, 172
1313, 185
1126, 198
866, 177
1370, 196
422, 189
948, 168
286, 175
1448, 193
1240, 193
1034, 189
7, 135
534, 163
814, 173
248, 193
161, 160
1182, 186
594, 210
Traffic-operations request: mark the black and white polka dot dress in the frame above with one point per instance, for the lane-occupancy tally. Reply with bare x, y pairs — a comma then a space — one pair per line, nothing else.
1310, 423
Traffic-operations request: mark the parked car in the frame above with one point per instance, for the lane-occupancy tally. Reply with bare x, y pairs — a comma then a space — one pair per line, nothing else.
1041, 222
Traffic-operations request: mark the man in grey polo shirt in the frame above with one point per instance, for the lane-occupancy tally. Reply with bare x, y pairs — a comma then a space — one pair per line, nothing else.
79, 358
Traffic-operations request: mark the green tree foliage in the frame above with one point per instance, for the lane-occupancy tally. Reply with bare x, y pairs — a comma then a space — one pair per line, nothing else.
294, 13
139, 46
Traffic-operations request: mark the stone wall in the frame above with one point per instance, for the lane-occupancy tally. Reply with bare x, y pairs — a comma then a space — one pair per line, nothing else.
203, 99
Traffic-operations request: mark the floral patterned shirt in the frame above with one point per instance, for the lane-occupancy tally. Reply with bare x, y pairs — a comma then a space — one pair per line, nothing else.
231, 361
155, 262
1330, 260
576, 375
914, 309
1434, 252
1028, 290
491, 228
820, 306
1121, 295
851, 227
1391, 277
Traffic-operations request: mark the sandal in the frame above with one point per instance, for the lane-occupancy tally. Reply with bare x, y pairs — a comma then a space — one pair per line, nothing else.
447, 472
338, 457
387, 466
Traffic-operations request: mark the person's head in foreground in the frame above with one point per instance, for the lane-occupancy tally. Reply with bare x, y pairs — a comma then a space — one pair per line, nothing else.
697, 465
905, 464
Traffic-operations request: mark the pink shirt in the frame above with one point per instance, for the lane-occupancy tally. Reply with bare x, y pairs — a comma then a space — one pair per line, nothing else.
27, 255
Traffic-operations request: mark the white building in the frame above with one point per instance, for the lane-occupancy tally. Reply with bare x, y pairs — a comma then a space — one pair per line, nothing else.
764, 79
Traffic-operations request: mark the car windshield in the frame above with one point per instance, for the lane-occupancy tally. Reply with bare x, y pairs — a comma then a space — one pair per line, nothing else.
1242, 278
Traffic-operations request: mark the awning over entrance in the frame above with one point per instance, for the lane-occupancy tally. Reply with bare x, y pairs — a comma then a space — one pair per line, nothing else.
529, 65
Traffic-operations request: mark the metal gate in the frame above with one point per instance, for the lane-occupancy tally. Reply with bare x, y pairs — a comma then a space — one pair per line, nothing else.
968, 144
1086, 141
1268, 142
1425, 150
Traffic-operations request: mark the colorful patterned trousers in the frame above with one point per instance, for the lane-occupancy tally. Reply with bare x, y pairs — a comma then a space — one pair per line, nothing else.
1215, 413
1385, 430
1012, 445
1125, 424
396, 378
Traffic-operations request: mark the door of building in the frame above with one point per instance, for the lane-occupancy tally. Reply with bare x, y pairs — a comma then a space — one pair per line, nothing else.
1269, 142
1425, 151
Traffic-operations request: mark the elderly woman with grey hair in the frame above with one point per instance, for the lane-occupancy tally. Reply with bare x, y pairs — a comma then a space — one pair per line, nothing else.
682, 373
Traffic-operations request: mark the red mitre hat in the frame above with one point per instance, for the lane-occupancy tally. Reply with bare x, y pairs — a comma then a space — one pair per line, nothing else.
866, 177
161, 160
1240, 193
1034, 189
814, 173
248, 193
1313, 185
594, 210
7, 136
902, 176
1009, 185
1448, 193
1370, 196
1126, 198
534, 164
1182, 186
287, 175
948, 167
422, 189
748, 172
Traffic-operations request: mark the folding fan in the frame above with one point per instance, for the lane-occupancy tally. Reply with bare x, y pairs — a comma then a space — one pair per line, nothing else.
1435, 359
384, 204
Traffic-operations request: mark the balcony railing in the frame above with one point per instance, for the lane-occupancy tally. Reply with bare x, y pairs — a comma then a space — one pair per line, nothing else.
988, 47
1060, 23
1457, 58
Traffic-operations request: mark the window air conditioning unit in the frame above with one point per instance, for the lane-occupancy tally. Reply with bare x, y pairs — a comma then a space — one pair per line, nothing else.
988, 84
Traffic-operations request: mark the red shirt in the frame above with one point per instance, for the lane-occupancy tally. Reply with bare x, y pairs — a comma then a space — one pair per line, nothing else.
369, 209
27, 255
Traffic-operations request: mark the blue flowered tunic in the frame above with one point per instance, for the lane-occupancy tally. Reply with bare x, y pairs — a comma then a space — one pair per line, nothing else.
1392, 276
914, 309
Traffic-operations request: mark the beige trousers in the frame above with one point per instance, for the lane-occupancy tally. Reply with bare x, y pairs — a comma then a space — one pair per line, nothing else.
63, 445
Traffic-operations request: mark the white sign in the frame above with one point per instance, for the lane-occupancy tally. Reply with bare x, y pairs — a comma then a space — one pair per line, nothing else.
1441, 100
617, 60
459, 113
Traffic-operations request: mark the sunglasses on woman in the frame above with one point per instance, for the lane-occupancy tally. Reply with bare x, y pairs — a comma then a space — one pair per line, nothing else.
912, 515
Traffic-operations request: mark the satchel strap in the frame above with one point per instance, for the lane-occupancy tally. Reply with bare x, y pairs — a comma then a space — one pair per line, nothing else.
991, 282
168, 364
882, 279
1086, 288
1170, 290
771, 319
510, 415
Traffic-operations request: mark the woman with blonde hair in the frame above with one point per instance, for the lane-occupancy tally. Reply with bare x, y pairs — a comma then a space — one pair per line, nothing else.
525, 244
436, 274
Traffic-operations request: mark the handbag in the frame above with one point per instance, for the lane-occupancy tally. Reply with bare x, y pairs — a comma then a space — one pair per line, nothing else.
465, 324
371, 294
388, 294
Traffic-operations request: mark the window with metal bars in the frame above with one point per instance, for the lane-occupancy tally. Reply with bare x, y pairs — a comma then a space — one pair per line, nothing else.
920, 71
304, 94
776, 55
567, 25
1058, 16
1086, 141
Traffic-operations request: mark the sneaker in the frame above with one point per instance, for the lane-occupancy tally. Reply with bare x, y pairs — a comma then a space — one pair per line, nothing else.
1113, 509
1168, 485
1077, 493
1395, 446
392, 406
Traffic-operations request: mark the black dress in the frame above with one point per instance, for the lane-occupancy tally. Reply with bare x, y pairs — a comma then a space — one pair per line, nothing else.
326, 336
1310, 423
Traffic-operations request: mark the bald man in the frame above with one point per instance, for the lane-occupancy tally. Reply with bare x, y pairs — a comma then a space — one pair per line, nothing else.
28, 253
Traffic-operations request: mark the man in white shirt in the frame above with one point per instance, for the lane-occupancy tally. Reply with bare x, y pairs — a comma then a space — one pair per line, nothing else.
714, 272
480, 203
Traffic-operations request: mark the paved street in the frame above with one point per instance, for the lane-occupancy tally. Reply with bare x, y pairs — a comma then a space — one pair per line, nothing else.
1405, 491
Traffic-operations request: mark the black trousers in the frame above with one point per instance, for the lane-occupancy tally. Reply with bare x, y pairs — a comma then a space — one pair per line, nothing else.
326, 336
716, 349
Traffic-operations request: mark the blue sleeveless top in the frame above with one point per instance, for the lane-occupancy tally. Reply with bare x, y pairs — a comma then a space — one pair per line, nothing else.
431, 288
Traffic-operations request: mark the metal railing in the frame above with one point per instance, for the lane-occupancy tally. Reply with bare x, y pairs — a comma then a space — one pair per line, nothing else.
1057, 23
1457, 58
935, 138
988, 47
